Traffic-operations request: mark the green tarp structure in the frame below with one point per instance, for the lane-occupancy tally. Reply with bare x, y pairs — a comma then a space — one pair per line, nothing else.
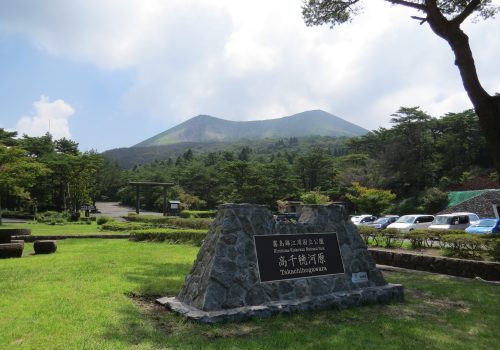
458, 197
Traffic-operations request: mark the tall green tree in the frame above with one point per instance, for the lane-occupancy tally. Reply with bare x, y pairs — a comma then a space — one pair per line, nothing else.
444, 18
18, 172
8, 138
314, 168
370, 200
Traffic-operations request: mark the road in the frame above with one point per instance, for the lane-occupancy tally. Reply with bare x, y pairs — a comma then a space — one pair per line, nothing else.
115, 210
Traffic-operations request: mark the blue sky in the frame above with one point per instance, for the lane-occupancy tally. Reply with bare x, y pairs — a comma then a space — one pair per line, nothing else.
111, 74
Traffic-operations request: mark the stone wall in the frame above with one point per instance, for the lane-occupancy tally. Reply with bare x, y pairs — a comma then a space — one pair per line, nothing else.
449, 266
224, 282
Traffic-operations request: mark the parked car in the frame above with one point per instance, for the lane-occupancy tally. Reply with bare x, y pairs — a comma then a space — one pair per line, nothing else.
382, 223
454, 221
283, 217
363, 219
412, 222
485, 226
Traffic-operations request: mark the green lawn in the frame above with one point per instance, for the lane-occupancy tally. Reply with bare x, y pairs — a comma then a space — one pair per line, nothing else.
71, 229
97, 294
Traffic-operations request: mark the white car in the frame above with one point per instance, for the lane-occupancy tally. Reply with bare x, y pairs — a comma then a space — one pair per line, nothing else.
412, 222
363, 219
454, 221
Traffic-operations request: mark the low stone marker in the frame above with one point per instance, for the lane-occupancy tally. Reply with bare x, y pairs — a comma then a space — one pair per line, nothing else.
250, 265
45, 246
8, 247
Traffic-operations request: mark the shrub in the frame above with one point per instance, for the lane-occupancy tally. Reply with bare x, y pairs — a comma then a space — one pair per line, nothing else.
314, 197
434, 200
17, 214
198, 214
419, 238
169, 235
493, 246
171, 221
52, 217
103, 219
368, 234
389, 238
464, 246
437, 235
125, 226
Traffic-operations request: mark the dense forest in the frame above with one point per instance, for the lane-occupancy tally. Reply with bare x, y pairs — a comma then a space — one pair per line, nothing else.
407, 167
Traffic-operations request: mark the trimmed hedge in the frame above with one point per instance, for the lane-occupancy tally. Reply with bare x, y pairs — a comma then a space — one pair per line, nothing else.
464, 246
455, 243
169, 235
198, 214
13, 214
200, 224
125, 226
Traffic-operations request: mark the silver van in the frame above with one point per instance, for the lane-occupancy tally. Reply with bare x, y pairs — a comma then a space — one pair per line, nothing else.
454, 221
412, 222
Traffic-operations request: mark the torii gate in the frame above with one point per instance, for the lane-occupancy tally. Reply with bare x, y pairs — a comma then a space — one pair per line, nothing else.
138, 185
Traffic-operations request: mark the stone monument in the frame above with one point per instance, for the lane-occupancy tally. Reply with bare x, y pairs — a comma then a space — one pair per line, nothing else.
250, 265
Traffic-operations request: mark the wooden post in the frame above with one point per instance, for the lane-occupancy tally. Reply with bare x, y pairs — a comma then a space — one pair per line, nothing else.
138, 200
164, 200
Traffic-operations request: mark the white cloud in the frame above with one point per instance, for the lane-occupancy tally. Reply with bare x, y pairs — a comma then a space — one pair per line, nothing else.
243, 60
48, 117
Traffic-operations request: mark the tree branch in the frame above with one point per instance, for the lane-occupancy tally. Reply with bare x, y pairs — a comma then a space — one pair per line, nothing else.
407, 4
421, 19
466, 12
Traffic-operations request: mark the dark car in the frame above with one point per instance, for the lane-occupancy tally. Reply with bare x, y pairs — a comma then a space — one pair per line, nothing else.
286, 217
366, 220
382, 223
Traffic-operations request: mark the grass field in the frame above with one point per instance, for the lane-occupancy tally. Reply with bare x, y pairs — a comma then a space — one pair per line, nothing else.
98, 294
70, 229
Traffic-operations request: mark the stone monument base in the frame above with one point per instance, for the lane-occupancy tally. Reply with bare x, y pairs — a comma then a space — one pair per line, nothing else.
338, 300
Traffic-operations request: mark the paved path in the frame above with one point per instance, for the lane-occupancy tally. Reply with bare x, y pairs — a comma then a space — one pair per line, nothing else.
115, 210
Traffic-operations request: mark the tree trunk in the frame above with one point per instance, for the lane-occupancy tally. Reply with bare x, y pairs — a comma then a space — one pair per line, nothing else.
487, 107
0, 209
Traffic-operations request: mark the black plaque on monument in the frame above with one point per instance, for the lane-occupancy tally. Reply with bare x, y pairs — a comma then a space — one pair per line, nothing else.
284, 257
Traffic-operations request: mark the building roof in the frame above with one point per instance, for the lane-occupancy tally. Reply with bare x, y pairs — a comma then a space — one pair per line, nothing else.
483, 204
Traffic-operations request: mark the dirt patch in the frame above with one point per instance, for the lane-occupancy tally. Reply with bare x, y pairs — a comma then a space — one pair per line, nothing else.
232, 331
422, 305
154, 312
160, 316
418, 305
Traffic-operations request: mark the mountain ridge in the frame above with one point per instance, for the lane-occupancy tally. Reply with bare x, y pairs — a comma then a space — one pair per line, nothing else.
205, 128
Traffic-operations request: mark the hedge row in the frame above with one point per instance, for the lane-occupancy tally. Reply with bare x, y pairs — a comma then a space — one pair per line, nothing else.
198, 214
201, 224
14, 214
169, 235
455, 243
125, 226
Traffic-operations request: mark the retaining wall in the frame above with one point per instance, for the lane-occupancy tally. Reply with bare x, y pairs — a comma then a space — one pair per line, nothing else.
450, 266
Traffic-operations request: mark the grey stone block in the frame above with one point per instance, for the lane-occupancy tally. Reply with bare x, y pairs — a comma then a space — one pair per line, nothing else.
224, 284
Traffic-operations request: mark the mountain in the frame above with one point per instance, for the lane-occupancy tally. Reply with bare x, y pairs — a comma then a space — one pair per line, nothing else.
204, 128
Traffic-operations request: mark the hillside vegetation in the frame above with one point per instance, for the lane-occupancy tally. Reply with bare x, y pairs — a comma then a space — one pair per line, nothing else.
406, 168
204, 128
